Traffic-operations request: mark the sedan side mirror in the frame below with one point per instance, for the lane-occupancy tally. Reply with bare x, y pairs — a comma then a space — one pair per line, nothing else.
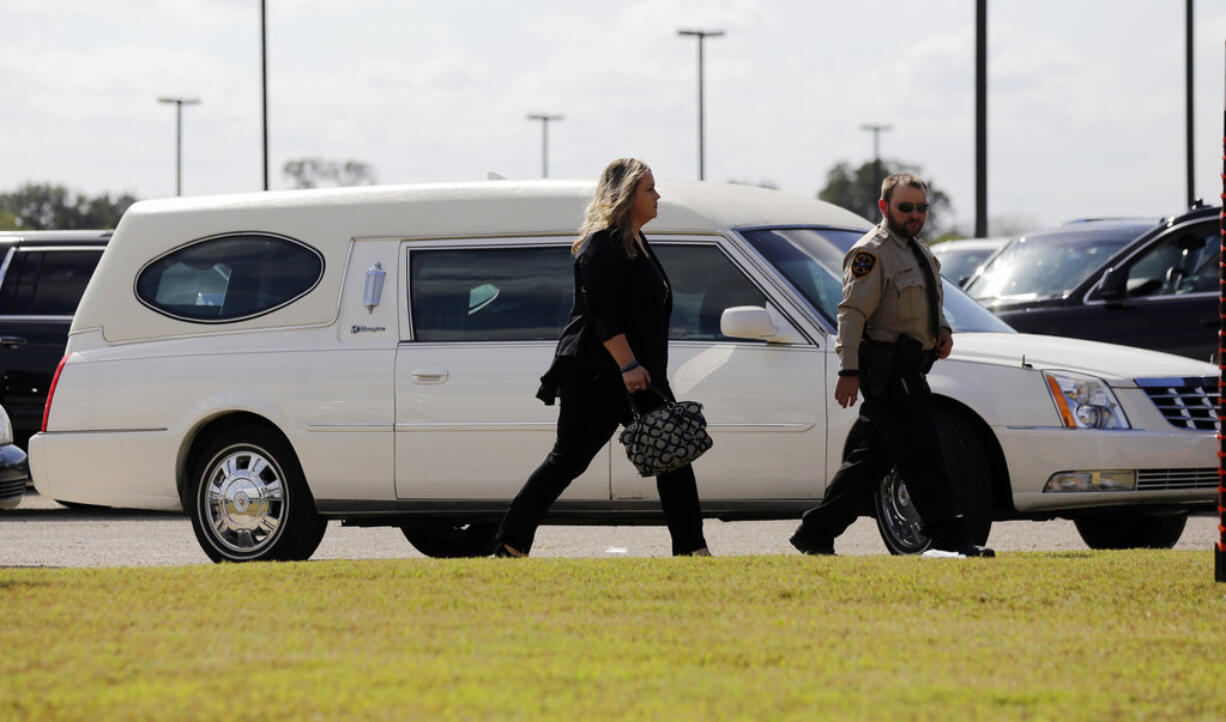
758, 324
1113, 285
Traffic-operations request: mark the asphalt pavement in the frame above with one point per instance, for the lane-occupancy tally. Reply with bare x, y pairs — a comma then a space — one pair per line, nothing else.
42, 533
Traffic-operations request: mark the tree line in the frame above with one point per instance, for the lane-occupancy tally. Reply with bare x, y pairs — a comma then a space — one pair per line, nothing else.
47, 206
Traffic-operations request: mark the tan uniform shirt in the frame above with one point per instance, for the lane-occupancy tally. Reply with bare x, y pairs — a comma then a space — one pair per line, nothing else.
884, 294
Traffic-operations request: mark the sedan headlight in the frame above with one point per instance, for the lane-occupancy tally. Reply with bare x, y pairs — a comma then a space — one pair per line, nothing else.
6, 428
1084, 402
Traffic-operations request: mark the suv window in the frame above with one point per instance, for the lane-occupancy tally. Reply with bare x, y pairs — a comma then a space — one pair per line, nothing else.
229, 277
1184, 262
46, 282
490, 294
704, 283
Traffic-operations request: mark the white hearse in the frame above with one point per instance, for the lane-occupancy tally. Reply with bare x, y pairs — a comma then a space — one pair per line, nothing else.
266, 362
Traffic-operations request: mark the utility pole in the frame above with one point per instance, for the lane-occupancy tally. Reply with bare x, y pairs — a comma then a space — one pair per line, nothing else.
179, 103
701, 35
264, 81
876, 130
981, 118
1189, 110
544, 118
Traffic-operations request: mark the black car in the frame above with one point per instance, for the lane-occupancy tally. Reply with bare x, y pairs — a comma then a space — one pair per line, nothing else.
1122, 282
42, 277
14, 467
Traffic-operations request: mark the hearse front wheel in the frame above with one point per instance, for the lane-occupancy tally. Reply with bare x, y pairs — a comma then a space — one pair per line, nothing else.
249, 500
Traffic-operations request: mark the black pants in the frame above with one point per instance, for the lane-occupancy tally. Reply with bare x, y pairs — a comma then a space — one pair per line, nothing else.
591, 410
900, 431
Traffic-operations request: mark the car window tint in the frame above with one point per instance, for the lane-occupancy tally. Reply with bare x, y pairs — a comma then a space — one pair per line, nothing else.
46, 283
811, 260
1042, 267
1184, 262
704, 282
490, 294
229, 277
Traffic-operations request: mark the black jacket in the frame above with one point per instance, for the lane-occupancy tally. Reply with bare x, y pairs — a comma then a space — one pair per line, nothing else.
614, 294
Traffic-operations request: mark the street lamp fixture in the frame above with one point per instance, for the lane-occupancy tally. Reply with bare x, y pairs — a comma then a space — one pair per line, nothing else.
179, 103
701, 35
544, 118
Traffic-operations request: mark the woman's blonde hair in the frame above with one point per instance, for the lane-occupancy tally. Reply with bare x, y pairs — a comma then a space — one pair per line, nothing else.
610, 206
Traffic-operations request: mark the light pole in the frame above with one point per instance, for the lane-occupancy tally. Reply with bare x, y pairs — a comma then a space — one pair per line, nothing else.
544, 118
876, 130
981, 118
179, 103
1189, 105
264, 82
701, 35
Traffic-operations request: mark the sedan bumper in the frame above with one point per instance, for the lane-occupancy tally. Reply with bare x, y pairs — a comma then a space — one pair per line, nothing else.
1173, 469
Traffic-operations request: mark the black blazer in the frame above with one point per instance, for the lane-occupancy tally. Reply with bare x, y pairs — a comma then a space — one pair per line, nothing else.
614, 294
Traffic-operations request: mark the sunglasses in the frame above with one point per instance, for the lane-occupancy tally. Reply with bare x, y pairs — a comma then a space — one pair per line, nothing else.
909, 207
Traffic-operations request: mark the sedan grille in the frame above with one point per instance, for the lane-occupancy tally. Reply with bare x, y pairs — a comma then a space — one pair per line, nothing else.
1160, 479
1188, 403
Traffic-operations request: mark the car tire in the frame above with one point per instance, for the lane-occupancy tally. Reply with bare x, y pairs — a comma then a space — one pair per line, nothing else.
248, 499
968, 467
1131, 530
451, 540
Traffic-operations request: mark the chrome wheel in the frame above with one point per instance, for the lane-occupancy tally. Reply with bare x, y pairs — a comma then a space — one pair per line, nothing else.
897, 519
243, 502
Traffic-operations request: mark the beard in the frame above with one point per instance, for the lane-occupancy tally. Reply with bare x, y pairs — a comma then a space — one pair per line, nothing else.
900, 227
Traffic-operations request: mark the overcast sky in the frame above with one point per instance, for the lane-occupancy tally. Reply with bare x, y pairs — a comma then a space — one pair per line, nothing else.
1086, 97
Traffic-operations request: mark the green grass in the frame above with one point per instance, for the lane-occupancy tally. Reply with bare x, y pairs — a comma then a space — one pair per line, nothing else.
1122, 635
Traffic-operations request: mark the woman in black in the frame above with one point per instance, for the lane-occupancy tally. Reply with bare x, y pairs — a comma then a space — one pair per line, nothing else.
614, 344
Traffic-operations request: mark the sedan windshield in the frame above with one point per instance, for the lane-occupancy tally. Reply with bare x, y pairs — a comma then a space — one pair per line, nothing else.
1031, 269
811, 259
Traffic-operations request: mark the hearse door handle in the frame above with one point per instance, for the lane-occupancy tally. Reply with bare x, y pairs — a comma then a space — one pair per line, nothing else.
1211, 322
429, 376
12, 341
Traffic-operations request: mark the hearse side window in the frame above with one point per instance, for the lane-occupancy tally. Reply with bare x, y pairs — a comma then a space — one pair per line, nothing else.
490, 294
229, 277
46, 282
704, 283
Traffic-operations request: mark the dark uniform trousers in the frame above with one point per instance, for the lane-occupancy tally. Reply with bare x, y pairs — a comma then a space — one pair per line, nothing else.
591, 410
900, 431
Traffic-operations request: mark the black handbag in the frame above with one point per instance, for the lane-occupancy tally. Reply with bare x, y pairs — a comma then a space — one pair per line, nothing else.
665, 438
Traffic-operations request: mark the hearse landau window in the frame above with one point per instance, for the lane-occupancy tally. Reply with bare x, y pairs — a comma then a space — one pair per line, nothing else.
229, 277
490, 294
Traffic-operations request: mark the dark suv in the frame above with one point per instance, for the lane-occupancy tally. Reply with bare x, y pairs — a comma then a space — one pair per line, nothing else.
42, 277
1115, 281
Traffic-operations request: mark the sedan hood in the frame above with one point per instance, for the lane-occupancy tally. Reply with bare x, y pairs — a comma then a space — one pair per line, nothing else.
1115, 364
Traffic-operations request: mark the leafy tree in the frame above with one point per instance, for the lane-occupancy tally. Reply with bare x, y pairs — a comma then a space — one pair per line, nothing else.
44, 206
316, 172
857, 190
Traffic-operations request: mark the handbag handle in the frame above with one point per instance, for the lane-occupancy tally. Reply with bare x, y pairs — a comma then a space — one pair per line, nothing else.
634, 407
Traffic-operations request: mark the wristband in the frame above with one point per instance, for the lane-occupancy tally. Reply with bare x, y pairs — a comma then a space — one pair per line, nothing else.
630, 366
853, 373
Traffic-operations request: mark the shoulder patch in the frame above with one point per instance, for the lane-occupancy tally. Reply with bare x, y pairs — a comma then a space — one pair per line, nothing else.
862, 264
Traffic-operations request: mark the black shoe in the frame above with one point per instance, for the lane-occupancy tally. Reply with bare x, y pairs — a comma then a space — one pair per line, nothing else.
824, 548
974, 550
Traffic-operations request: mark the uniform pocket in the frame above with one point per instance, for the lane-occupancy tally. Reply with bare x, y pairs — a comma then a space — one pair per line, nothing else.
911, 297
